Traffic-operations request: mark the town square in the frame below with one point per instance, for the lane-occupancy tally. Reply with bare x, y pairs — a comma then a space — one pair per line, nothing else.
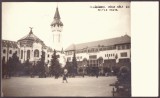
49, 51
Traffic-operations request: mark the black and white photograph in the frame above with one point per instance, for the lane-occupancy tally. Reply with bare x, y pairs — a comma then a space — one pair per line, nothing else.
66, 49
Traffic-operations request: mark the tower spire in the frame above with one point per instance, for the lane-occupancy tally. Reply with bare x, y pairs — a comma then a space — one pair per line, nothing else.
57, 16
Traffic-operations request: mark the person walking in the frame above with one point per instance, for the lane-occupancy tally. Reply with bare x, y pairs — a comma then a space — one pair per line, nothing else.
65, 76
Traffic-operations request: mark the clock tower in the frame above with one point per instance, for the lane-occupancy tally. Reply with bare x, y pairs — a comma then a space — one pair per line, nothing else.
57, 27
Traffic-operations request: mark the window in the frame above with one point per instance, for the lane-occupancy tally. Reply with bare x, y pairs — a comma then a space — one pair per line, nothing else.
21, 54
10, 51
119, 47
28, 54
124, 54
113, 54
69, 58
93, 57
48, 55
3, 60
104, 48
123, 46
4, 51
128, 46
36, 53
100, 49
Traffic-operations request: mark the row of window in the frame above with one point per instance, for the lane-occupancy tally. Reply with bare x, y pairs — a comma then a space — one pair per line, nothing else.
36, 53
120, 47
123, 54
109, 55
10, 51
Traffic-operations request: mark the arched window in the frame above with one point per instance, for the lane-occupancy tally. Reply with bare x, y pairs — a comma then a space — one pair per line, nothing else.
4, 51
28, 54
36, 53
21, 54
10, 51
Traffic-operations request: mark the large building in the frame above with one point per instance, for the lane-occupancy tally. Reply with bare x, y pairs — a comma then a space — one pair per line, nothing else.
102, 53
31, 47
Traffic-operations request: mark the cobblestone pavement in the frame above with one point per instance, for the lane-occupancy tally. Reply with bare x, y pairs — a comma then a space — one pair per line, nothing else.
78, 86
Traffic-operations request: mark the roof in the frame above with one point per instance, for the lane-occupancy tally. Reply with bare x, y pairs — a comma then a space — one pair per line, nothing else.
57, 18
106, 42
31, 37
11, 44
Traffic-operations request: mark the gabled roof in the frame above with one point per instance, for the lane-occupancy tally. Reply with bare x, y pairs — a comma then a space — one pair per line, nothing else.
11, 44
106, 42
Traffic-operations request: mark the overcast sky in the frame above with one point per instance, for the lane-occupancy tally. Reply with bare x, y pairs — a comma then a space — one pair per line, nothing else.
81, 22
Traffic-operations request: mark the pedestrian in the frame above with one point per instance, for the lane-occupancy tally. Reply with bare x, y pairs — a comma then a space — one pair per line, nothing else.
65, 76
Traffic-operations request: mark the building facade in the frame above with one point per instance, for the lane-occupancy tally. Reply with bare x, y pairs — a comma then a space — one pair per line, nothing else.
101, 54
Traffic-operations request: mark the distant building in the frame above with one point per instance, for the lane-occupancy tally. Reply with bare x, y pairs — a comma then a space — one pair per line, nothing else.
29, 47
8, 48
102, 53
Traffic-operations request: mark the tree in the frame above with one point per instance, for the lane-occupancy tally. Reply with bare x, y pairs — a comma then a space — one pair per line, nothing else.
42, 66
68, 67
74, 65
4, 67
55, 66
27, 67
15, 64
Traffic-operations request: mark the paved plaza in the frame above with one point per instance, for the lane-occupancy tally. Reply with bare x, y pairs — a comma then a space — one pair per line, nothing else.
78, 86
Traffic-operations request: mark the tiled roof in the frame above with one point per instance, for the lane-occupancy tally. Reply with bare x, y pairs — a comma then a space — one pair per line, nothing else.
11, 44
106, 42
31, 37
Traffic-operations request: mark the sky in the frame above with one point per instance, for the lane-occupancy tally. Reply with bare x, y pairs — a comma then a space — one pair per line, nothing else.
81, 22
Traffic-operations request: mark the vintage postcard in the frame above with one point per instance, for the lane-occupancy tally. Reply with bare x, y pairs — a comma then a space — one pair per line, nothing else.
66, 49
